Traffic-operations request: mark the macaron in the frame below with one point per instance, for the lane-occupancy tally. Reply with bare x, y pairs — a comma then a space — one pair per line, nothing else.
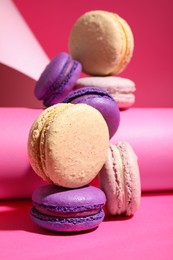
57, 80
121, 89
67, 210
100, 100
120, 180
102, 42
65, 146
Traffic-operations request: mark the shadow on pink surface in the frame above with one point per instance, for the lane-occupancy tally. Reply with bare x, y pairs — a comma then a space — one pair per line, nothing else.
15, 216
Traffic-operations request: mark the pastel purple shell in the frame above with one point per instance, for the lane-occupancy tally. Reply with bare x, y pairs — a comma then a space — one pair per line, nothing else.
68, 210
57, 80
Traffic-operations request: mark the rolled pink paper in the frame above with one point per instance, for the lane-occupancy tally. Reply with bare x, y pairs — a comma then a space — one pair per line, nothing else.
17, 179
150, 132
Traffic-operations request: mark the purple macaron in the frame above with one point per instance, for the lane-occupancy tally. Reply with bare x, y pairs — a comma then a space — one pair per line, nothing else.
68, 210
57, 80
102, 101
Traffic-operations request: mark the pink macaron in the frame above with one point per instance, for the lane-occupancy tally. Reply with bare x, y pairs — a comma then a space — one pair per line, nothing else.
121, 89
120, 180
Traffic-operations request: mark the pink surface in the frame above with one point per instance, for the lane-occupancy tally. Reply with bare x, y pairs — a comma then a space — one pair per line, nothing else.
17, 179
147, 235
149, 131
151, 23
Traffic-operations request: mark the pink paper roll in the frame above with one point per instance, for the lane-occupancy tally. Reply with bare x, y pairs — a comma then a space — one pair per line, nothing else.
150, 132
17, 179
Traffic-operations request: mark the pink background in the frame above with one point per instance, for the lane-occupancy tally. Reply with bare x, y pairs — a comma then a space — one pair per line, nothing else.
151, 23
147, 235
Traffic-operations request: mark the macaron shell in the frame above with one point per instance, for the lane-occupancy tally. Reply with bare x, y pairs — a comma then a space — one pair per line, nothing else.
131, 177
57, 79
109, 110
68, 200
129, 39
112, 182
67, 210
50, 74
71, 156
124, 100
121, 89
65, 86
68, 224
35, 135
120, 180
102, 42
111, 84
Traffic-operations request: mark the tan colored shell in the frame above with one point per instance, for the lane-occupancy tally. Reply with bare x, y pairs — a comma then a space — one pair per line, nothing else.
70, 146
102, 41
35, 136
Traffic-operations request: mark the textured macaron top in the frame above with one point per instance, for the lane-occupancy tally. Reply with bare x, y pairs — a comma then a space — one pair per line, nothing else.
67, 200
63, 144
102, 41
57, 79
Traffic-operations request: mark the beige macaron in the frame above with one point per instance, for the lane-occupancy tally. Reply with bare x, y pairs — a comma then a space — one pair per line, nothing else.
68, 144
102, 42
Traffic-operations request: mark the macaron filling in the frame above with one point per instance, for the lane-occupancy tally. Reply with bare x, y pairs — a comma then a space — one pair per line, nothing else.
60, 82
66, 211
72, 220
86, 93
125, 47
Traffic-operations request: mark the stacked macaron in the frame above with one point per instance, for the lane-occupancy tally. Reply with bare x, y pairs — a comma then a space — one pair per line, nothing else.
68, 144
57, 81
103, 43
66, 149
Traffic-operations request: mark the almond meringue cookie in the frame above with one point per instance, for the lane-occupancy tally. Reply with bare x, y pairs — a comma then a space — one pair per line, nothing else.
67, 144
68, 210
102, 42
